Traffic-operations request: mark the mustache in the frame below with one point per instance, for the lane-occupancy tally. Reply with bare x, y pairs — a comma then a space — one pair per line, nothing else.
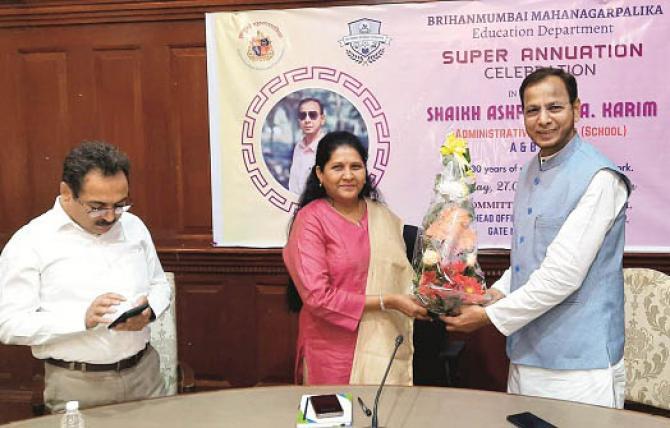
104, 223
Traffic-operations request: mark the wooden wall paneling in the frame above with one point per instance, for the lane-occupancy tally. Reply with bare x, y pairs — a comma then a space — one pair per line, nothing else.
14, 404
217, 327
119, 101
483, 362
18, 367
82, 85
14, 158
226, 301
37, 13
158, 164
44, 121
273, 332
18, 377
190, 132
656, 261
276, 335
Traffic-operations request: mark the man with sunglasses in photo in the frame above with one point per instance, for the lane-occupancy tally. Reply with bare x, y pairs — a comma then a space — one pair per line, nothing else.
69, 272
311, 119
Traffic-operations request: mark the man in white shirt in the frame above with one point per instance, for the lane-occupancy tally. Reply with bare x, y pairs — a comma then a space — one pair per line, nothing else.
69, 272
311, 119
561, 302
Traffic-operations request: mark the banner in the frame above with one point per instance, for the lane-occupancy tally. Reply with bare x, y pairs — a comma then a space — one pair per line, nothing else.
403, 76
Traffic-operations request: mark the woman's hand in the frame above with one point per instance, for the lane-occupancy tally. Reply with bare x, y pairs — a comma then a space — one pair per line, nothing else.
406, 304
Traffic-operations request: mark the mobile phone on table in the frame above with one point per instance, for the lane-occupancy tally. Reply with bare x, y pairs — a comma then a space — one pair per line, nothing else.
326, 406
132, 312
529, 420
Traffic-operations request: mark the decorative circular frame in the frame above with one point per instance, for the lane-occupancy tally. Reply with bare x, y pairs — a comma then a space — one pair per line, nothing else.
354, 87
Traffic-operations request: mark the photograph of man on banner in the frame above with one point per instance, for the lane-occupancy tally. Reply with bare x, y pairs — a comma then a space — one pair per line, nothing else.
294, 126
311, 119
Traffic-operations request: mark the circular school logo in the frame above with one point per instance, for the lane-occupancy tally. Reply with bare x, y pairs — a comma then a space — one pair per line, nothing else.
260, 45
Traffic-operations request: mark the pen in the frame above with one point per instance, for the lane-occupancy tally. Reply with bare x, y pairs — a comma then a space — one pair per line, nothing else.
304, 413
364, 407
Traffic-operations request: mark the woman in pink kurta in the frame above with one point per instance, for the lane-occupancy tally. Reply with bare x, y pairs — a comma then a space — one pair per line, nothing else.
328, 255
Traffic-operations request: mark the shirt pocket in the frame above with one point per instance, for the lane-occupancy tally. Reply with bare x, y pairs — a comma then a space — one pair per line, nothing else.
71, 274
132, 270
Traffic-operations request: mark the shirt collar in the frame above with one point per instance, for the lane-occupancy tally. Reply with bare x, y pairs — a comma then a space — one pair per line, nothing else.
305, 148
60, 217
548, 162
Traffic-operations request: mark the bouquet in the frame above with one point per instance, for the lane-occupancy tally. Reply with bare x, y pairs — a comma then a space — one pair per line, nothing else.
445, 254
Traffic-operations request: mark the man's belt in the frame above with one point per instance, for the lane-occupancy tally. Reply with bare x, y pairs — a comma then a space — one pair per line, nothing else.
90, 367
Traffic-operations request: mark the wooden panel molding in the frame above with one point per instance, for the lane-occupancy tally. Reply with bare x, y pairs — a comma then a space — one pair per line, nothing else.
251, 260
277, 334
118, 94
44, 117
75, 12
190, 132
222, 260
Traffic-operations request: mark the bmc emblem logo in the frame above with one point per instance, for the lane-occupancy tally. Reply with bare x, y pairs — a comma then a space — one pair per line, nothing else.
260, 45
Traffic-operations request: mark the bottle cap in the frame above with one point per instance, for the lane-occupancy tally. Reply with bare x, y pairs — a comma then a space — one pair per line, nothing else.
71, 406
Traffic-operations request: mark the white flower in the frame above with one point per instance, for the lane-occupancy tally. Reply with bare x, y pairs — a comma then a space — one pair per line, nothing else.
430, 258
471, 259
454, 190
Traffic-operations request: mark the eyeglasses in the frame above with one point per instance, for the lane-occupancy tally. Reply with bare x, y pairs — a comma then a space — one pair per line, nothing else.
313, 114
95, 212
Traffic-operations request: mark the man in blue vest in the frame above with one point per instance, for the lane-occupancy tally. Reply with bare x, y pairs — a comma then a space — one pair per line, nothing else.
560, 304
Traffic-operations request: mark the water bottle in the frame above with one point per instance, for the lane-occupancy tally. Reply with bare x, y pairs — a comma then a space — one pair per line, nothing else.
72, 418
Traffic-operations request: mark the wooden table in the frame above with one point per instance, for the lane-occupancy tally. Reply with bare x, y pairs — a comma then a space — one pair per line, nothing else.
399, 407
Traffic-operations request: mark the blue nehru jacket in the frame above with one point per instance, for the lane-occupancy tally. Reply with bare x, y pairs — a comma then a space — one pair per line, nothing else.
586, 330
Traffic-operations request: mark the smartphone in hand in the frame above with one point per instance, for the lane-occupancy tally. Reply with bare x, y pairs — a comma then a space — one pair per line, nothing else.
132, 312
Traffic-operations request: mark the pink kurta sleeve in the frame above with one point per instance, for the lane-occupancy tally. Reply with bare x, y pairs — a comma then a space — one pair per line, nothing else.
306, 258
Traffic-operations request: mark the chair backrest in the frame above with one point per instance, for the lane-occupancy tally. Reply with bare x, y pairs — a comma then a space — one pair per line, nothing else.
164, 340
647, 349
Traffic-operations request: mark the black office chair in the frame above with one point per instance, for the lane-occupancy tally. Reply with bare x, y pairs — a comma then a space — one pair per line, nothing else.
435, 356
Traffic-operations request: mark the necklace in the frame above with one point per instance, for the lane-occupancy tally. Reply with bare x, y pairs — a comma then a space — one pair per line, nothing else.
354, 215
